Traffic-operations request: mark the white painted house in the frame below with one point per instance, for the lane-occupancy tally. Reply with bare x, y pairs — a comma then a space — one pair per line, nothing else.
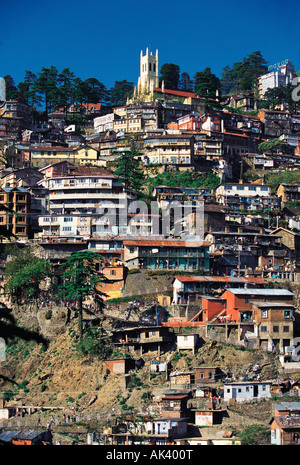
187, 341
247, 390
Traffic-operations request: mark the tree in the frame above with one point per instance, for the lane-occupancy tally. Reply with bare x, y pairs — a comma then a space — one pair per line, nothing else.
47, 86
24, 272
127, 169
186, 83
10, 155
66, 82
275, 145
10, 88
207, 84
80, 279
170, 73
242, 77
27, 90
94, 91
120, 92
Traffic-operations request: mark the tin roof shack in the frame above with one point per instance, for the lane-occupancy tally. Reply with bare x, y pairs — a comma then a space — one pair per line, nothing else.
32, 438
179, 379
208, 416
7, 436
175, 405
118, 366
285, 424
167, 429
241, 391
143, 338
190, 289
206, 374
7, 412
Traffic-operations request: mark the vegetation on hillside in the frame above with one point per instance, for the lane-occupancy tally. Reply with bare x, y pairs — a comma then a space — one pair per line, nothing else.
185, 179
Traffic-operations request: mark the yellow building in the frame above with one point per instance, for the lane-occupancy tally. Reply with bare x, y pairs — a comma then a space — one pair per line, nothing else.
42, 156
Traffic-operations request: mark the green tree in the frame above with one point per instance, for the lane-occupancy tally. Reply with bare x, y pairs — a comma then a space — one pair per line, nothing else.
273, 146
206, 84
120, 92
10, 155
80, 279
170, 74
11, 88
242, 77
27, 90
128, 169
46, 85
24, 272
95, 91
186, 83
66, 82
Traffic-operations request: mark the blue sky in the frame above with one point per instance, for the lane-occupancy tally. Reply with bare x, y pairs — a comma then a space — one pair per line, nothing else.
103, 39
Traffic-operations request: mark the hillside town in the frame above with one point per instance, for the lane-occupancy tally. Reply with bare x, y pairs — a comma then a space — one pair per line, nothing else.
163, 237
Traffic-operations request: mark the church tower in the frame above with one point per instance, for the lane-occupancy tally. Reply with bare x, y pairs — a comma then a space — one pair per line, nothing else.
148, 79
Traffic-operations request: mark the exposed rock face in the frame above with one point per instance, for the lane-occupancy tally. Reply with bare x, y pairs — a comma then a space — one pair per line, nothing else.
52, 320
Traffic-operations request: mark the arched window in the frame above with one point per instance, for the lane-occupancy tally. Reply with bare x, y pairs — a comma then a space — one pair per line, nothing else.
149, 66
154, 67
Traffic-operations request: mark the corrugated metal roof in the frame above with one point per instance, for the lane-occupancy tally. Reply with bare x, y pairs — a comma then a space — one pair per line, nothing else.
263, 292
221, 279
7, 436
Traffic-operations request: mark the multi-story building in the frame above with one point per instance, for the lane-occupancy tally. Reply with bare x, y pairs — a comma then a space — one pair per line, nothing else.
241, 190
16, 218
288, 192
14, 119
170, 150
281, 77
86, 202
167, 254
41, 156
275, 123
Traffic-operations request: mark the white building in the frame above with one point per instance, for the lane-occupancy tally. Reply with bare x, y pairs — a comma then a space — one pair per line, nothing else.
241, 190
281, 77
247, 390
104, 123
89, 202
187, 341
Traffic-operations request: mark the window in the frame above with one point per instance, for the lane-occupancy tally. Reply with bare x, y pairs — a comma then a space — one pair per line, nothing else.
68, 219
276, 329
264, 313
286, 329
263, 329
113, 272
252, 188
67, 228
246, 300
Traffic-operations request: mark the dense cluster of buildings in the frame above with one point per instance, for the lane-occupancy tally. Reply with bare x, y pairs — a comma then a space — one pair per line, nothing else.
60, 192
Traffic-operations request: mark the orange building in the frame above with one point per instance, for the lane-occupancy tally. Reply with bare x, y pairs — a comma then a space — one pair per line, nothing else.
239, 302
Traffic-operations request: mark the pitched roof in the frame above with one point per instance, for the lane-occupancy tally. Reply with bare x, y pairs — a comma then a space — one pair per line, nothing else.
180, 93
